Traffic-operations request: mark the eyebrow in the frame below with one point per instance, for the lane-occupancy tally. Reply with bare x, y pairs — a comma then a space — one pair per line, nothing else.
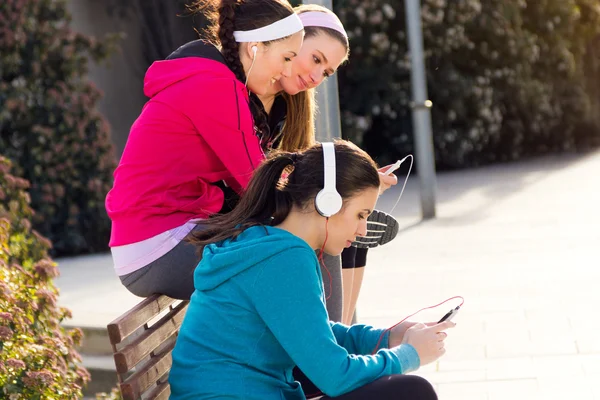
326, 61
367, 210
294, 53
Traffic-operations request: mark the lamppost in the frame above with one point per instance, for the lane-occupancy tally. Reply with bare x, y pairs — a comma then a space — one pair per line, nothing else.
421, 114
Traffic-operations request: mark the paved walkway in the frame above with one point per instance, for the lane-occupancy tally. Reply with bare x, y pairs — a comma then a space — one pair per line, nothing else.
519, 242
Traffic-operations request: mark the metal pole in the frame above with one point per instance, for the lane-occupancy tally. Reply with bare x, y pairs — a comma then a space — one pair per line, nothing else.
421, 114
328, 123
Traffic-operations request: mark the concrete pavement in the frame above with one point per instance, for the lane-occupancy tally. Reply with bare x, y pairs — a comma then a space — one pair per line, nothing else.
518, 241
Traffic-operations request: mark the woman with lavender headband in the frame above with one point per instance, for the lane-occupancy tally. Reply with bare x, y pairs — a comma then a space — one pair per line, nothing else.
290, 108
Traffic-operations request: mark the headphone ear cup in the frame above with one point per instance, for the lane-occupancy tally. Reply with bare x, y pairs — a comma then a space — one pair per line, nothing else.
328, 203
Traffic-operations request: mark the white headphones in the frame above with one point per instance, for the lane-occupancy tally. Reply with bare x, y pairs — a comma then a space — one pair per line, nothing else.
328, 201
254, 50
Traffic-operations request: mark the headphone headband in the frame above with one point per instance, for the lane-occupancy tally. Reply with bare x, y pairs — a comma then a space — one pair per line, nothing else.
328, 201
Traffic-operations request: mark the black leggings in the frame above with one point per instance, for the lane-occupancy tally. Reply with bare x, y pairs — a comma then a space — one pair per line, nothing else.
353, 257
393, 387
410, 387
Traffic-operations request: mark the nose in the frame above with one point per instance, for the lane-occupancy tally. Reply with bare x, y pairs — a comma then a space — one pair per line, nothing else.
316, 77
287, 70
362, 228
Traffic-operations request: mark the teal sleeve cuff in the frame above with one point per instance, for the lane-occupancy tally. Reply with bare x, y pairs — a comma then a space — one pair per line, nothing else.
408, 358
385, 342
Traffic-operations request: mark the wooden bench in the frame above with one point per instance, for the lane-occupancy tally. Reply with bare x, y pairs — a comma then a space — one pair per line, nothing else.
142, 340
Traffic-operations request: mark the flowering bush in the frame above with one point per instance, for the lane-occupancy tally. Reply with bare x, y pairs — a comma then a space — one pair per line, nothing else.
49, 125
507, 79
37, 356
115, 394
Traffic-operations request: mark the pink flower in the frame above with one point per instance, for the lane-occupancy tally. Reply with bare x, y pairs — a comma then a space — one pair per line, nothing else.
47, 296
5, 333
83, 374
46, 268
38, 378
6, 317
66, 313
15, 364
76, 335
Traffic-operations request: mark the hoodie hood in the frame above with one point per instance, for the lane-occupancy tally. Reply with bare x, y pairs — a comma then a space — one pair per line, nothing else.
191, 59
224, 260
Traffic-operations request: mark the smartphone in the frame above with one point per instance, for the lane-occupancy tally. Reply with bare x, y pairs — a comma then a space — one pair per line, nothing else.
449, 315
394, 167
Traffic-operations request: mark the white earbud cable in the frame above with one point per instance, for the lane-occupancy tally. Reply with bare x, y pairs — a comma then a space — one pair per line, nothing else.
404, 185
251, 65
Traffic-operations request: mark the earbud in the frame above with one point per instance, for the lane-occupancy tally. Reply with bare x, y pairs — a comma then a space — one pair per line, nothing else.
254, 50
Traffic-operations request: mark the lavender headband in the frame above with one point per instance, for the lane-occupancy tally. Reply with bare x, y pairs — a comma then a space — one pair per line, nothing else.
323, 20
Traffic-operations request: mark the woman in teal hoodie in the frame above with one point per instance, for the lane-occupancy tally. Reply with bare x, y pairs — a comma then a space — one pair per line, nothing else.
258, 308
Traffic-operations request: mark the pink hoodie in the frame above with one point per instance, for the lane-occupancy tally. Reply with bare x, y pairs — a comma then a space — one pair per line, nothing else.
196, 130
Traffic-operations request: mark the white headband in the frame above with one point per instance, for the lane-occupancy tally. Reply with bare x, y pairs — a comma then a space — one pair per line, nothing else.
277, 30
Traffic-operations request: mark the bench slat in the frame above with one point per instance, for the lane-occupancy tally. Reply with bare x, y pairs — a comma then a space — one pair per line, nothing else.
161, 392
156, 367
126, 324
133, 353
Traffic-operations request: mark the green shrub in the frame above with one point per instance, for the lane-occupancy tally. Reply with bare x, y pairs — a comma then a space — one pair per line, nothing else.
49, 125
38, 359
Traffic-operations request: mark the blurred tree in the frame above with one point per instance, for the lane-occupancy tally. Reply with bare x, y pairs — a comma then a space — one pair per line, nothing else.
49, 125
166, 25
507, 79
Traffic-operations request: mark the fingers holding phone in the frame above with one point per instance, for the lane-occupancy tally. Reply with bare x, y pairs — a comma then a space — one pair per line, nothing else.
386, 178
428, 341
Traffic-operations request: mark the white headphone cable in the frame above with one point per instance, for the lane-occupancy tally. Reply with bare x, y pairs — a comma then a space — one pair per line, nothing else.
404, 185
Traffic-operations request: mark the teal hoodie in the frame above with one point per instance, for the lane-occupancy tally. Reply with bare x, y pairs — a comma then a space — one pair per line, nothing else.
257, 311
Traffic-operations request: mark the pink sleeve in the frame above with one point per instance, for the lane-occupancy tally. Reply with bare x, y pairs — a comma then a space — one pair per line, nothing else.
224, 120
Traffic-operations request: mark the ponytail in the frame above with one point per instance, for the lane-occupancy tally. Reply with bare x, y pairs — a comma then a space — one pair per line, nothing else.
265, 202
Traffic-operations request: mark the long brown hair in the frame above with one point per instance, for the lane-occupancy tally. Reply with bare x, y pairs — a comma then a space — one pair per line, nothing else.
271, 195
299, 127
227, 16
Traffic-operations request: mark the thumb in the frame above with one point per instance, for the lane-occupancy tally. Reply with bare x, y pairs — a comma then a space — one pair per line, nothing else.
445, 325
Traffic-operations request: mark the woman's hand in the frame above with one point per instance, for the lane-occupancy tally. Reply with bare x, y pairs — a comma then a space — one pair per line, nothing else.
397, 333
386, 181
427, 340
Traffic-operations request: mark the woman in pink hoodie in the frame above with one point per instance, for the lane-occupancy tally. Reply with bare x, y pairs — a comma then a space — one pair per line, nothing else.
196, 140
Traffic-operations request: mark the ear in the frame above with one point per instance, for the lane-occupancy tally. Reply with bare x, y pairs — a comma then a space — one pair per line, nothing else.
251, 49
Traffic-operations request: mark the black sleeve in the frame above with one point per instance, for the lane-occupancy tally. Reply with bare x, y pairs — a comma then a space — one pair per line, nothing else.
231, 198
